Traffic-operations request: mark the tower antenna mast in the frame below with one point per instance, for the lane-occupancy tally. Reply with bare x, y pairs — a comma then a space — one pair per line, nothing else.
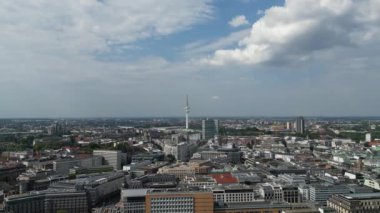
187, 110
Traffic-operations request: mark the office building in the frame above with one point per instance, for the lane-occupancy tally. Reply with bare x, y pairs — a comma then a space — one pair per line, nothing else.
236, 193
98, 187
352, 203
291, 194
209, 129
63, 166
183, 152
110, 157
233, 153
70, 201
57, 129
209, 155
216, 127
133, 200
288, 125
322, 192
300, 125
10, 173
165, 201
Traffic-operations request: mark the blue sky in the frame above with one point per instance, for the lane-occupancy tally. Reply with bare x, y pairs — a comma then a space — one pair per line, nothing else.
88, 58
208, 31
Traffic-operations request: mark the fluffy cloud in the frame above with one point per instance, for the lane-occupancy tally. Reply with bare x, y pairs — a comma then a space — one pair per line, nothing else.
93, 25
238, 21
49, 49
302, 30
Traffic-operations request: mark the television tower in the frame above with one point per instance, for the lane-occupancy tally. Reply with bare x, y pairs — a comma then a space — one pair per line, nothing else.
187, 110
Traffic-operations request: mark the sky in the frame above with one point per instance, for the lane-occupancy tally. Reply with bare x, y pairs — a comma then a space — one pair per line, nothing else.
129, 58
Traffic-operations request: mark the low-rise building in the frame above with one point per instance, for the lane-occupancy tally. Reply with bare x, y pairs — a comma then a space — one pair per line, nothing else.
320, 193
271, 192
188, 169
71, 201
236, 193
63, 166
352, 203
373, 183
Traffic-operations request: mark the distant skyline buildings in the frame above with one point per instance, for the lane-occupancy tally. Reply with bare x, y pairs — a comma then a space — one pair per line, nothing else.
209, 128
300, 125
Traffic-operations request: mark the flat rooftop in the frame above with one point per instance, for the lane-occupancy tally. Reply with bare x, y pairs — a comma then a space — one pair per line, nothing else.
362, 195
252, 205
134, 192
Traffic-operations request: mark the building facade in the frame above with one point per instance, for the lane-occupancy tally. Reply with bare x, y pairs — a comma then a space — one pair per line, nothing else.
353, 203
133, 200
63, 166
233, 194
209, 129
300, 125
179, 202
183, 152
321, 193
110, 157
48, 201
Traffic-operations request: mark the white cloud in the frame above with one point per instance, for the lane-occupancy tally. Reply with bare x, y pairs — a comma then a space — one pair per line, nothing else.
238, 21
200, 47
88, 25
292, 33
47, 60
48, 51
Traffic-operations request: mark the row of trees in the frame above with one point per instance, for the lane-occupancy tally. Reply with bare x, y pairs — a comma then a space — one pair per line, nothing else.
242, 132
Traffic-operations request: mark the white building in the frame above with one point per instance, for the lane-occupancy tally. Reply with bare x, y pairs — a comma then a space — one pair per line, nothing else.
373, 183
368, 137
170, 149
233, 194
272, 192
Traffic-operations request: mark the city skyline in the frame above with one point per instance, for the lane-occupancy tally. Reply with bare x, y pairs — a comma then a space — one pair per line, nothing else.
233, 58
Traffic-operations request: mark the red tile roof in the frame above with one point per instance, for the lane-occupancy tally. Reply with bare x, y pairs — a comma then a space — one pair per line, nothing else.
225, 178
374, 143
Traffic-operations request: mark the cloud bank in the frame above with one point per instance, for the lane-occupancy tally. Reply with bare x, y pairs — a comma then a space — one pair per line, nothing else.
303, 29
93, 25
